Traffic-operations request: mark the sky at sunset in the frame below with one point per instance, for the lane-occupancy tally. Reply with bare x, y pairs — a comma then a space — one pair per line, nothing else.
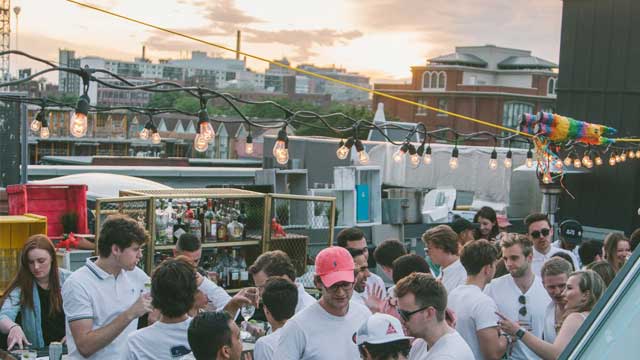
379, 38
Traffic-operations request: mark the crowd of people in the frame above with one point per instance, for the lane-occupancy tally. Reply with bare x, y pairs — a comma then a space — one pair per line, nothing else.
480, 293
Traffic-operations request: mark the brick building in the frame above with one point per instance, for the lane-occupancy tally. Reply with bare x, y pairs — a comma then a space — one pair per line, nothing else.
486, 82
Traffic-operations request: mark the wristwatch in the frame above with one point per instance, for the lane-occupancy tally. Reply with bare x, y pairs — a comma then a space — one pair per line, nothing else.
520, 333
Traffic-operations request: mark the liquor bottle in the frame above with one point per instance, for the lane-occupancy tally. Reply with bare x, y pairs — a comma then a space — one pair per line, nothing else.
221, 228
209, 223
196, 225
235, 230
188, 215
171, 220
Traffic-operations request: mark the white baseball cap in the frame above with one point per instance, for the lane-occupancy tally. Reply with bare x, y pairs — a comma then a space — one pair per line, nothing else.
380, 329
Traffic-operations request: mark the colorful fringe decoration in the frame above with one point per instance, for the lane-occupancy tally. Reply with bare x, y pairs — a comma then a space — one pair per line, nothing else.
560, 128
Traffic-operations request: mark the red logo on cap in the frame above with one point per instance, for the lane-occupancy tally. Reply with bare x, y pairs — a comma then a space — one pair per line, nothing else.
391, 330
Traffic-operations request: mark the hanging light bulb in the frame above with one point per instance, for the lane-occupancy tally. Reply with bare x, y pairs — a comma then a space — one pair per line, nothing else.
155, 137
248, 145
414, 158
206, 130
558, 164
280, 144
612, 159
529, 162
145, 132
631, 154
547, 179
508, 161
200, 144
623, 156
597, 160
363, 157
427, 155
577, 163
398, 156
78, 123
344, 148
37, 121
618, 159
638, 154
283, 155
493, 161
586, 159
453, 162
568, 160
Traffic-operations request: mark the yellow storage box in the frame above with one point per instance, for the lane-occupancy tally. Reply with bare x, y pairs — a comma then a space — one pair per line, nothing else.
14, 231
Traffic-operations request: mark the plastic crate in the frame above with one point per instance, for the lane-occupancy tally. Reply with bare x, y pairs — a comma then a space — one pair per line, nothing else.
51, 201
14, 231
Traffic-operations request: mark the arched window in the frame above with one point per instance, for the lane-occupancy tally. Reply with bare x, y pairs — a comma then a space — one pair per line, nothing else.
442, 80
426, 79
434, 80
552, 83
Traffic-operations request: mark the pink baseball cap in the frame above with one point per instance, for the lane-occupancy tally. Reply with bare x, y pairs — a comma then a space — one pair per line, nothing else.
334, 264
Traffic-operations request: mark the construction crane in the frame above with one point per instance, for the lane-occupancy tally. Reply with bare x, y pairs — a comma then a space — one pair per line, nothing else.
5, 37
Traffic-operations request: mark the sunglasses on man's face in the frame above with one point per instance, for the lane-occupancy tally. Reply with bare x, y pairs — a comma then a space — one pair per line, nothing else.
536, 234
406, 315
523, 301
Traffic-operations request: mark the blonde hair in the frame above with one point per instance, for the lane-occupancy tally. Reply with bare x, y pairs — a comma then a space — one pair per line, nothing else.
591, 283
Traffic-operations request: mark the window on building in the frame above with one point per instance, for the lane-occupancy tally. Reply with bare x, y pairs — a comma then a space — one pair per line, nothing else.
434, 80
552, 84
442, 80
443, 104
426, 80
512, 112
420, 111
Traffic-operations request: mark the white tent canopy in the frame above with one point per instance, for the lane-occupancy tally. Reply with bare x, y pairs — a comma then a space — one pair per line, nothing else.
104, 185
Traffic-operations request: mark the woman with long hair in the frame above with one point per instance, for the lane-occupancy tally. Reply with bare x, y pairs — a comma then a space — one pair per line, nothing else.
488, 221
583, 290
35, 293
616, 250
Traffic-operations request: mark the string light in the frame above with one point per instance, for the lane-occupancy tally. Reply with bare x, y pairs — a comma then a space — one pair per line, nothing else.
577, 163
598, 160
568, 160
37, 121
426, 159
618, 158
508, 161
248, 145
493, 160
44, 128
399, 154
280, 147
146, 131
529, 162
200, 144
453, 162
622, 156
547, 179
363, 157
78, 125
631, 154
612, 159
206, 130
155, 136
638, 154
414, 158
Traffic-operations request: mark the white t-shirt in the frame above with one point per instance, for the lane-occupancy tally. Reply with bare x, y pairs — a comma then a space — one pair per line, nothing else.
540, 258
359, 297
474, 311
549, 332
159, 341
314, 334
304, 299
266, 346
449, 347
453, 276
92, 293
216, 296
505, 293
575, 252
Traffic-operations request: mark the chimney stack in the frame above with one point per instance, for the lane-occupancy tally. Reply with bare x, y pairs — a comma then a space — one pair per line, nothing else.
144, 50
238, 45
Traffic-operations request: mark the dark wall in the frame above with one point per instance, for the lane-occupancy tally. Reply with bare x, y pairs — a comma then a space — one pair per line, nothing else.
599, 82
9, 143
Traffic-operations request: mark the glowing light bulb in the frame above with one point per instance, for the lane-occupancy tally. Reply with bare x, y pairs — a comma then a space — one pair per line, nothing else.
427, 156
399, 155
589, 164
618, 158
568, 160
612, 159
278, 147
493, 164
248, 148
598, 160
206, 130
283, 156
44, 132
200, 144
547, 178
638, 154
155, 138
558, 164
508, 163
144, 134
363, 157
343, 150
577, 163
414, 160
453, 163
35, 125
623, 157
78, 124
585, 159
529, 162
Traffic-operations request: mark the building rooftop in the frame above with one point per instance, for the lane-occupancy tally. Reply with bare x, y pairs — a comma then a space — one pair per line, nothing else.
526, 62
459, 59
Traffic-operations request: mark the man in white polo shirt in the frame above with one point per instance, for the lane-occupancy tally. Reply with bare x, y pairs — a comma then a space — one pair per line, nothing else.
540, 232
277, 263
520, 294
442, 244
103, 300
475, 311
325, 329
353, 238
